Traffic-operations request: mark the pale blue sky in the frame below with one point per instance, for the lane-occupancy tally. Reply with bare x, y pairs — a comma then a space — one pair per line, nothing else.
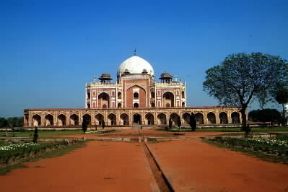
49, 49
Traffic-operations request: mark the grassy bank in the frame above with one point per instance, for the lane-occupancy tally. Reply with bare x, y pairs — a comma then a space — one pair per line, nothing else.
230, 129
14, 155
267, 148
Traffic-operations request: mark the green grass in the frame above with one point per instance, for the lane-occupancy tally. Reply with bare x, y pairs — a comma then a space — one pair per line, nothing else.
5, 170
42, 133
266, 149
230, 129
48, 154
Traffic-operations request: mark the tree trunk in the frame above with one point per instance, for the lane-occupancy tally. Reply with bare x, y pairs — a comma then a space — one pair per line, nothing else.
283, 121
244, 127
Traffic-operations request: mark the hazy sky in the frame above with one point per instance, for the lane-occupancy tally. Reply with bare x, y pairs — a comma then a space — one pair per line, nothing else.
49, 49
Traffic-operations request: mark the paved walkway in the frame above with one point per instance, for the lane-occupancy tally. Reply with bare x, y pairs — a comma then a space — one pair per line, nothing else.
192, 165
100, 166
188, 163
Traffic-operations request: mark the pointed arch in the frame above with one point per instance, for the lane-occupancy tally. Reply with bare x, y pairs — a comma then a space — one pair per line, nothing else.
223, 118
136, 97
124, 119
49, 120
74, 120
149, 119
175, 118
211, 118
36, 120
137, 119
235, 118
186, 118
162, 120
111, 119
99, 119
61, 120
199, 118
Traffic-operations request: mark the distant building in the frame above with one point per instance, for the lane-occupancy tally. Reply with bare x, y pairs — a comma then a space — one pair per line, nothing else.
135, 88
135, 98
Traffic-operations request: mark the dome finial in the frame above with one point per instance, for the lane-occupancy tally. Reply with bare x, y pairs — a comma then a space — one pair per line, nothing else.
135, 52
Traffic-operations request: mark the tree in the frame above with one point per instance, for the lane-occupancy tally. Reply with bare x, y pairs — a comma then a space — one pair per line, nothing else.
192, 122
240, 78
179, 122
35, 135
3, 122
282, 98
170, 123
15, 121
85, 125
265, 115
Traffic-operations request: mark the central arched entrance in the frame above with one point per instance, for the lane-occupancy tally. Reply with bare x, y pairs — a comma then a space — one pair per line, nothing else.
137, 119
168, 99
103, 100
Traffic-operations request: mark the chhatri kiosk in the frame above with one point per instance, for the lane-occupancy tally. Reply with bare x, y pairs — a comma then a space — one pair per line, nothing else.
136, 98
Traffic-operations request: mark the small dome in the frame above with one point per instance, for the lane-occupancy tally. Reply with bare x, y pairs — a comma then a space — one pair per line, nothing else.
166, 76
105, 76
135, 65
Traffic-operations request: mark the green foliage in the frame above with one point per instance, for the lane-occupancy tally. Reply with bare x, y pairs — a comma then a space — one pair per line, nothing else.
3, 122
84, 125
11, 154
35, 135
179, 122
170, 123
243, 77
265, 115
11, 122
192, 122
274, 148
282, 98
282, 95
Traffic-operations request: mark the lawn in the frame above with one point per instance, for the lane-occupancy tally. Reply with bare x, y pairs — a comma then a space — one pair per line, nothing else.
42, 133
231, 129
272, 148
14, 154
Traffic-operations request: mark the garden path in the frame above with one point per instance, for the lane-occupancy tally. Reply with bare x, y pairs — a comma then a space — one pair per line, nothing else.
192, 165
100, 166
188, 163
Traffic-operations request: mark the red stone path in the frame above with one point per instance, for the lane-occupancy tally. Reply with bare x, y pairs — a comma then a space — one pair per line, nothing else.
192, 165
189, 164
100, 166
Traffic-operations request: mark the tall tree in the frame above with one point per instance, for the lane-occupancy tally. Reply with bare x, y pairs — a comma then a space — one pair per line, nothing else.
265, 115
3, 122
241, 77
85, 124
192, 122
35, 135
282, 98
170, 123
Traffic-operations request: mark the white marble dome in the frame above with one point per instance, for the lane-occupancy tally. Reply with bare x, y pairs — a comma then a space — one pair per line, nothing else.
135, 65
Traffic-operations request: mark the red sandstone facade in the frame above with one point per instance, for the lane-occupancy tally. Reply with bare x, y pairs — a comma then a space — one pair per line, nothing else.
136, 98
